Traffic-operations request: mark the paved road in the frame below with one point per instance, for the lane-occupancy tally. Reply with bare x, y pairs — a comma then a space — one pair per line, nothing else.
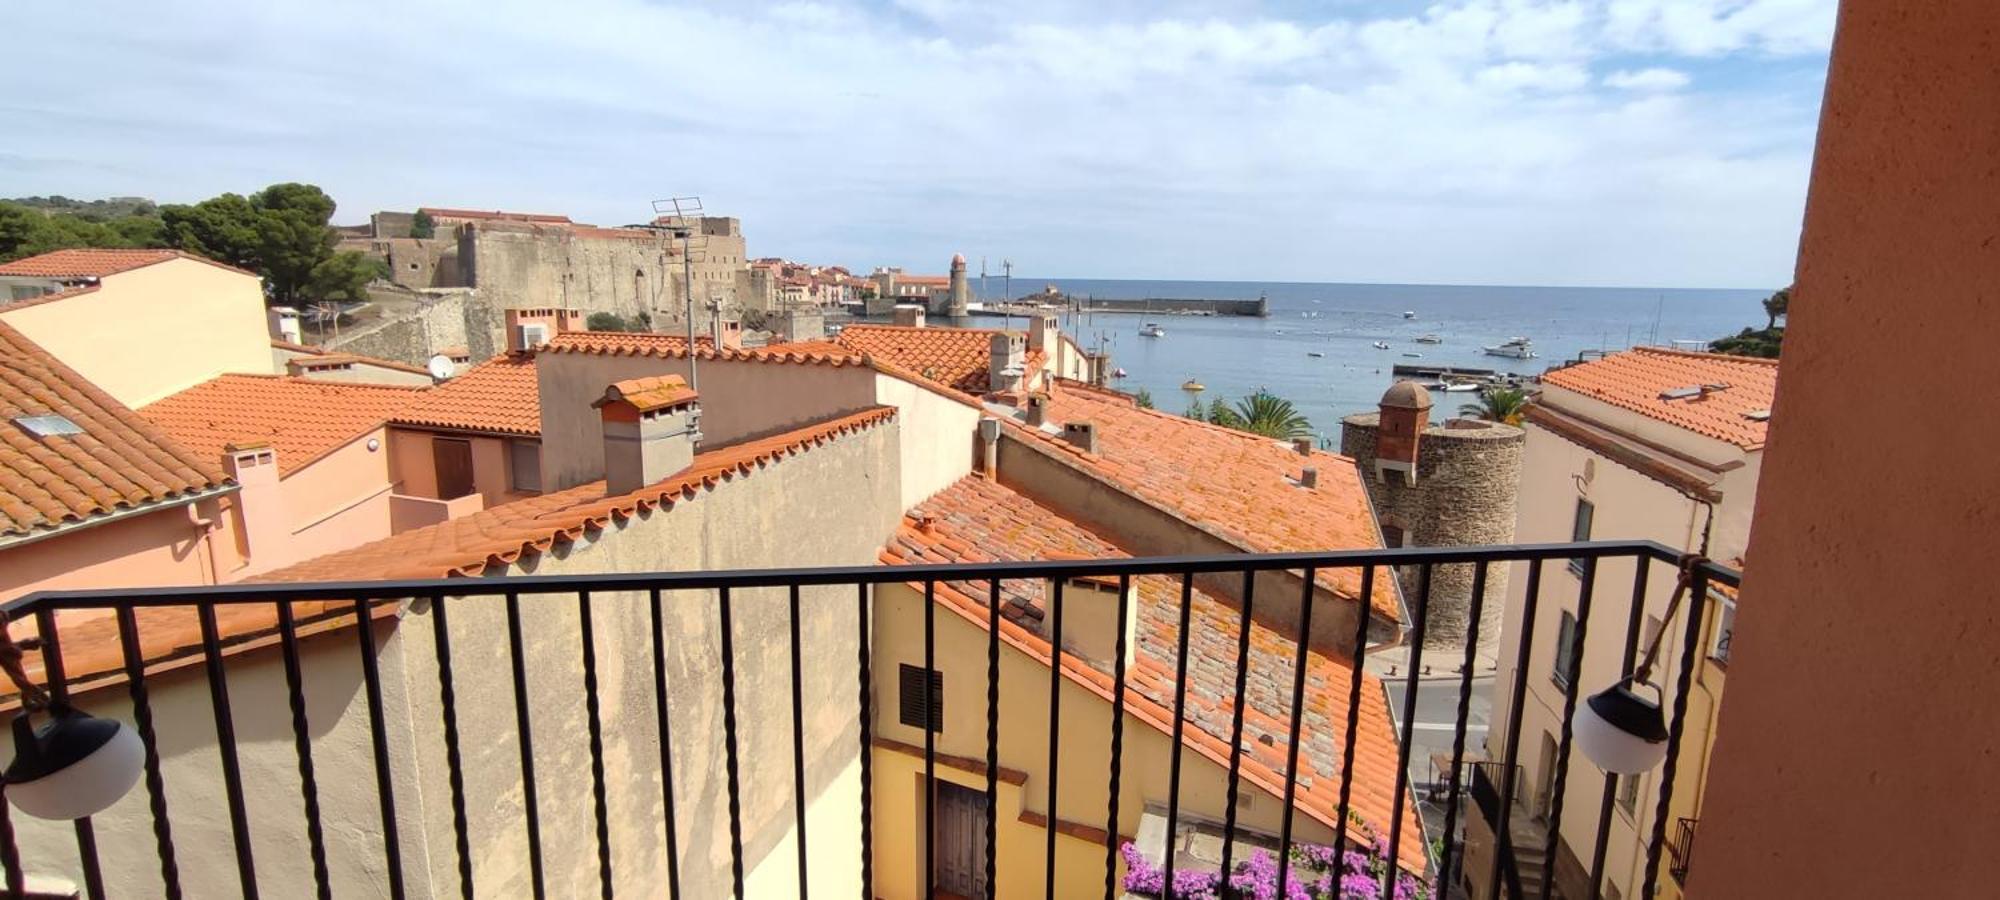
1435, 722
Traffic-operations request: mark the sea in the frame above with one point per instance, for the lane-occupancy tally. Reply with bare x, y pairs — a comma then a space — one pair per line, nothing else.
1234, 356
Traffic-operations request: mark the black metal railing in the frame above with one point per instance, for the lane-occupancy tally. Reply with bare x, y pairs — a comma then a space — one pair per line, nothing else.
1682, 849
357, 602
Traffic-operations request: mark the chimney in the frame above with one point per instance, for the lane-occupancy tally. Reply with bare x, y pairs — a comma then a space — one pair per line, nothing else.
803, 325
1082, 434
532, 327
1406, 412
729, 334
260, 503
1038, 410
283, 323
989, 447
1044, 333
1090, 615
649, 431
909, 315
1006, 363
1309, 477
1303, 445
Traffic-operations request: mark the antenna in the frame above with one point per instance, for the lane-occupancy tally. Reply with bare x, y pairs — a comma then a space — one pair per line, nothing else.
1659, 308
1007, 289
677, 216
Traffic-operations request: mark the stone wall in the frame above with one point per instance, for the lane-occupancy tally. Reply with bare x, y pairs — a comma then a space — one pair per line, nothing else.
436, 322
1468, 477
597, 270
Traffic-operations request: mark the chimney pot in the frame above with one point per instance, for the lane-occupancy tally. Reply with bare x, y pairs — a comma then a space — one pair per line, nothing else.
1303, 445
649, 431
1007, 363
1038, 409
909, 315
1309, 477
1081, 434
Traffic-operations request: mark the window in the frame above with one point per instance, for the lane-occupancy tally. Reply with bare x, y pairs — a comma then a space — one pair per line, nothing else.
1392, 536
1628, 793
524, 466
1579, 529
915, 694
1565, 668
1725, 628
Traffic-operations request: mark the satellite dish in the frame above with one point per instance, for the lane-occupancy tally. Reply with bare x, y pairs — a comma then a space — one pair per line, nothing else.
441, 367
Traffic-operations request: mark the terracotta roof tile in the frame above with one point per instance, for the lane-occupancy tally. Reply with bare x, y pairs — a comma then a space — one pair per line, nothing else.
650, 393
300, 417
957, 357
667, 346
499, 395
979, 521
501, 534
1238, 486
1635, 379
95, 262
120, 461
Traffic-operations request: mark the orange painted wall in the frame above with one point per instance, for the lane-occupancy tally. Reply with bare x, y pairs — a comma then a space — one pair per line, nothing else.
159, 548
1859, 723
339, 501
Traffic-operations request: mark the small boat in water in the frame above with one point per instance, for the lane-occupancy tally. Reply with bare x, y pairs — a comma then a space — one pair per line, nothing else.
1457, 385
1414, 355
1516, 348
1429, 339
1193, 386
1409, 314
1381, 345
1314, 353
1152, 329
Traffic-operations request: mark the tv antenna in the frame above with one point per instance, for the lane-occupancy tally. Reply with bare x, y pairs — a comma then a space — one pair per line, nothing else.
679, 218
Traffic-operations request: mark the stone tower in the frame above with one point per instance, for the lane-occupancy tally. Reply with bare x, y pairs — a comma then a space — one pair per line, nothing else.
960, 303
1439, 486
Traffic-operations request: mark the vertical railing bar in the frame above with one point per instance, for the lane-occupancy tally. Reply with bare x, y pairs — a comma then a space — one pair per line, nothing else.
1575, 674
1633, 620
1180, 724
10, 852
1117, 736
665, 721
867, 742
1697, 605
798, 739
1406, 745
1236, 725
728, 651
599, 805
1055, 733
931, 702
156, 794
58, 687
225, 744
525, 737
1354, 683
1523, 660
1473, 614
288, 640
992, 734
1298, 718
455, 774
378, 732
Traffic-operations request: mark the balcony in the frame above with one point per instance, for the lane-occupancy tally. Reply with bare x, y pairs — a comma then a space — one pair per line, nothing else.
738, 732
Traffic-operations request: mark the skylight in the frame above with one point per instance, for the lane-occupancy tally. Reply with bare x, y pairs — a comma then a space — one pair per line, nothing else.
49, 425
1758, 415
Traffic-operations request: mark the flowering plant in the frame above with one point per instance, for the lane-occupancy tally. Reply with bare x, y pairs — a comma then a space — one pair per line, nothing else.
1316, 874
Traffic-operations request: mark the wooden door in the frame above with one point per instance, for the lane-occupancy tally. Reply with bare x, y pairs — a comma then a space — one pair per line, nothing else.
960, 841
453, 459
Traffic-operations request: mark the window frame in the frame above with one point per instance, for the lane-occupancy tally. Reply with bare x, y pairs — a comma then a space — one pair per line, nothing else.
514, 484
1583, 518
1565, 651
908, 676
1725, 629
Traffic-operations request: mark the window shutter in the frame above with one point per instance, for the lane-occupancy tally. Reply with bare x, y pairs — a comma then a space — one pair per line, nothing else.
913, 697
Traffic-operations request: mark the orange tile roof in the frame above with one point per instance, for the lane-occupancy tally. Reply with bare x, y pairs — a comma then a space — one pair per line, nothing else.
97, 262
958, 357
1635, 379
499, 535
652, 392
1238, 486
119, 462
302, 418
978, 521
667, 346
499, 395
924, 280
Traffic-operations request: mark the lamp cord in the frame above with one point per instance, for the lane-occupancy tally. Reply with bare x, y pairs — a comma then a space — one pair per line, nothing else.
1689, 563
33, 696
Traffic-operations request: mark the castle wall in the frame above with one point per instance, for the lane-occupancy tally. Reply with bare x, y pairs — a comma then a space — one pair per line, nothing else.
1467, 480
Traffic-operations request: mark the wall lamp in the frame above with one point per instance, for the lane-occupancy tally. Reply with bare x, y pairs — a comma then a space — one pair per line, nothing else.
1621, 731
74, 765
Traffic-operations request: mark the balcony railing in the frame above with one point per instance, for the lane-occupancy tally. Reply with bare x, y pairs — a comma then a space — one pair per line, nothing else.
302, 612
1682, 849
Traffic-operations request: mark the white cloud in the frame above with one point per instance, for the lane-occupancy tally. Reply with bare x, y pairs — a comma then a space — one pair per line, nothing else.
1653, 79
1466, 142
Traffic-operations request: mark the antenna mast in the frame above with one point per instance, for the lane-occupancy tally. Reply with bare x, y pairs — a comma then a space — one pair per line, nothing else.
681, 215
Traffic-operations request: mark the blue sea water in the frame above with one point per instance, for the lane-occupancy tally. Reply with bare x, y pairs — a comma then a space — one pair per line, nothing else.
1234, 356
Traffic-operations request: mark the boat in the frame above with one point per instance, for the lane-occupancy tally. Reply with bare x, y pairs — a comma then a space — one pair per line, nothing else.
1193, 386
1152, 329
1118, 373
1515, 348
1429, 339
1314, 353
1457, 385
1409, 314
1414, 355
1381, 345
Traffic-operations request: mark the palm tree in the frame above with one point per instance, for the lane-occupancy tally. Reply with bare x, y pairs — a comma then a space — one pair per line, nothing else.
1268, 414
1498, 404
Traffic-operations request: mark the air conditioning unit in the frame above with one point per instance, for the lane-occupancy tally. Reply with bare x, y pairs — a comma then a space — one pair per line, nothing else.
531, 335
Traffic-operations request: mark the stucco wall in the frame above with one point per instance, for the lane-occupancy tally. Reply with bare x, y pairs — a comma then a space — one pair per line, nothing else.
339, 501
1863, 662
413, 466
1467, 479
155, 330
939, 437
163, 547
834, 504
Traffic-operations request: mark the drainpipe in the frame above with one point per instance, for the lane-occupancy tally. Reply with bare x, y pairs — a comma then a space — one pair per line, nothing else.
989, 448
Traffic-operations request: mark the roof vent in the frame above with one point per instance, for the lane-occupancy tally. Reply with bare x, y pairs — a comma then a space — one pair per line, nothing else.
47, 425
1758, 415
1692, 392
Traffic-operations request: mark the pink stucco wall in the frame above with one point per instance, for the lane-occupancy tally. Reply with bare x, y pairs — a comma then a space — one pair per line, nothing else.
1857, 747
159, 548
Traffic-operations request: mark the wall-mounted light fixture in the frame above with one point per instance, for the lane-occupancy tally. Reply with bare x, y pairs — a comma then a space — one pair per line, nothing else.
75, 764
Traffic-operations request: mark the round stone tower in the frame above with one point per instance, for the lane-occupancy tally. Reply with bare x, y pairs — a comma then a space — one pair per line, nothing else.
1444, 485
961, 294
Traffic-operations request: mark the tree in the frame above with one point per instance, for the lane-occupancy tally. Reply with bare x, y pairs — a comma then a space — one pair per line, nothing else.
294, 238
1219, 413
1144, 399
28, 230
1774, 306
344, 277
222, 228
1498, 404
1763, 344
421, 225
1268, 414
607, 321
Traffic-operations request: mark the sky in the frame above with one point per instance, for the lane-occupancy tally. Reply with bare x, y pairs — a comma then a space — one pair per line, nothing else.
1656, 143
